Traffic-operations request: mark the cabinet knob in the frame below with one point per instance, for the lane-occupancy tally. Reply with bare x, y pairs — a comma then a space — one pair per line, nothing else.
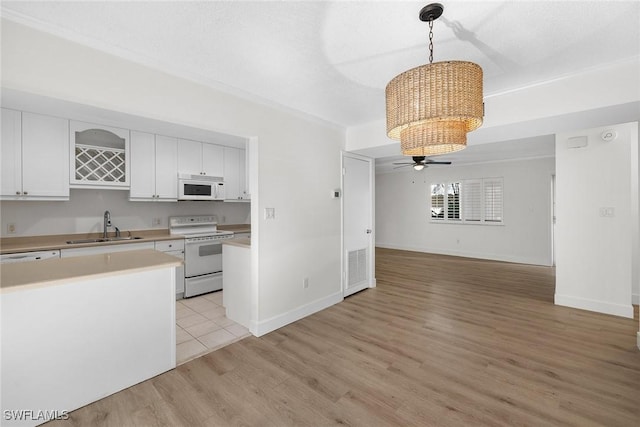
25, 193
17, 193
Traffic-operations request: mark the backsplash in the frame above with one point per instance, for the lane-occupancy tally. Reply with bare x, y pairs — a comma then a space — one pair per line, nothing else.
83, 213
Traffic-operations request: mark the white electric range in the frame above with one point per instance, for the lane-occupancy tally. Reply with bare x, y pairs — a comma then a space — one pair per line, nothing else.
202, 252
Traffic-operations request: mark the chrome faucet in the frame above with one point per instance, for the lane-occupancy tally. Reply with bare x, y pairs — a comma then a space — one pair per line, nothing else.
107, 223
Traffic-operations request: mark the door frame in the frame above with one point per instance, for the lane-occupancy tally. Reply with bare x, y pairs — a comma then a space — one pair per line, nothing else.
372, 257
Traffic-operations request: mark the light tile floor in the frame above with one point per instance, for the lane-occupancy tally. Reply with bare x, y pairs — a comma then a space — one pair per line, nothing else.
202, 327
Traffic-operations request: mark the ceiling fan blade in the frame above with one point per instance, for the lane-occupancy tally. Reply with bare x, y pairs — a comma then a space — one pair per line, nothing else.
433, 162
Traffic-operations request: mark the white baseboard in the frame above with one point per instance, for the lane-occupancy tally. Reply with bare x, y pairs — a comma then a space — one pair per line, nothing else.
638, 340
635, 299
265, 326
465, 254
622, 310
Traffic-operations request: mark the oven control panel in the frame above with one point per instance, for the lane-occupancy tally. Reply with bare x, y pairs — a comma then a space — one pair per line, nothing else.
209, 238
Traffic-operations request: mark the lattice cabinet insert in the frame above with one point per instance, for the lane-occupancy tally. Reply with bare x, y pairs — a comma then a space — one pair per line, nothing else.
100, 156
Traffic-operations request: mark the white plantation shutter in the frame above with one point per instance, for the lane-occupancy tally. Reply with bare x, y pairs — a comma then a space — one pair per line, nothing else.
493, 199
453, 201
472, 200
437, 201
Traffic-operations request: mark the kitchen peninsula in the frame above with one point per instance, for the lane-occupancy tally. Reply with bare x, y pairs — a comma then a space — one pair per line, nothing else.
238, 297
75, 330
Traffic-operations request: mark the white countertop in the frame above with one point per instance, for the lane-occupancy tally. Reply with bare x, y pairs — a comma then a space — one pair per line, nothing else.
28, 275
243, 242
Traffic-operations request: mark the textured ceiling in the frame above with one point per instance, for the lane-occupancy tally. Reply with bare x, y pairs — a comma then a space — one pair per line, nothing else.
333, 59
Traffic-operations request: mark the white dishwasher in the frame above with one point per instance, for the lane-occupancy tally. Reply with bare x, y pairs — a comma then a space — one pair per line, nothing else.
28, 256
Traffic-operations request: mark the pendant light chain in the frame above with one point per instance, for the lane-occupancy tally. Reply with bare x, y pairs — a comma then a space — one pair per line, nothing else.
430, 40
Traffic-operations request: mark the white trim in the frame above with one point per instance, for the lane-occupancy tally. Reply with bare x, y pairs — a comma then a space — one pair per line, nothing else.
358, 288
372, 238
635, 299
623, 310
638, 340
265, 326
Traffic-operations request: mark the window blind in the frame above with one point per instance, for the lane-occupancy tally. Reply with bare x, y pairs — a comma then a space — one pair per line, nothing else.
493, 200
472, 200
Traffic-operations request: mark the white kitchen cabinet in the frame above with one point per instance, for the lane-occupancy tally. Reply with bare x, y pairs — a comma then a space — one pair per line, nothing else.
154, 167
200, 158
35, 164
247, 171
105, 249
99, 156
11, 146
175, 248
234, 174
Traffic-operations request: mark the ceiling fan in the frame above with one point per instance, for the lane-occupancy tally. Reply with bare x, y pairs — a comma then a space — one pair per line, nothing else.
421, 162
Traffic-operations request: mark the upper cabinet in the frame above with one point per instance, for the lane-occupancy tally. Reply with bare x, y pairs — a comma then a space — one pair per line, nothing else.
35, 163
99, 156
200, 158
154, 167
234, 174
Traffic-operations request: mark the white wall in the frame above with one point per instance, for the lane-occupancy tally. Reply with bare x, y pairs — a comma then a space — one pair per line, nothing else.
83, 213
402, 213
304, 238
596, 255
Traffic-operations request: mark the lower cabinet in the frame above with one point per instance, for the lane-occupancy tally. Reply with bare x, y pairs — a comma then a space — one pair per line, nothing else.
171, 247
105, 249
175, 248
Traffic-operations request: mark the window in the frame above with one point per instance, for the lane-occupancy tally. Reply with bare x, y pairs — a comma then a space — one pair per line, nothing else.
453, 201
472, 207
493, 200
437, 201
471, 201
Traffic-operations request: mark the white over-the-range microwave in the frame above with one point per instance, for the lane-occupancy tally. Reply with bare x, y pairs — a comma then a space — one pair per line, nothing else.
200, 187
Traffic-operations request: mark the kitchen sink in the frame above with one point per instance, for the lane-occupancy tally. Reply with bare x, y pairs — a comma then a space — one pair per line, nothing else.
100, 240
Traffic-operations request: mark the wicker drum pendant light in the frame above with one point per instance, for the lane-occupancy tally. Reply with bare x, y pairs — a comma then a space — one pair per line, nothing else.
431, 108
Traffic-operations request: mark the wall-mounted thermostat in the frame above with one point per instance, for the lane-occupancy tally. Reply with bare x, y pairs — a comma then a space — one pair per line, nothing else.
609, 135
335, 194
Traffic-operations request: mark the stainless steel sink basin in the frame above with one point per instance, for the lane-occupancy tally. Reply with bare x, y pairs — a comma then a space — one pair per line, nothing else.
100, 240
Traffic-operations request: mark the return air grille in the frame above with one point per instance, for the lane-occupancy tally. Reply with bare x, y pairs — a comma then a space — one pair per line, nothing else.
357, 265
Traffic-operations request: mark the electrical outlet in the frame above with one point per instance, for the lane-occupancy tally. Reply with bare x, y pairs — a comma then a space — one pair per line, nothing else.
156, 221
11, 228
305, 283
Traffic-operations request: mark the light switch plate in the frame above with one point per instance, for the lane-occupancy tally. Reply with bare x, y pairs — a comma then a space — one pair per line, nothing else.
269, 213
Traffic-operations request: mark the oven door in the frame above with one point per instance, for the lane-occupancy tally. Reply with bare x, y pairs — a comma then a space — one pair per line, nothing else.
202, 257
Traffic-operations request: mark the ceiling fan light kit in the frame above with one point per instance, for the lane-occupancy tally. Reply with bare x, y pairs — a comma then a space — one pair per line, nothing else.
421, 162
431, 108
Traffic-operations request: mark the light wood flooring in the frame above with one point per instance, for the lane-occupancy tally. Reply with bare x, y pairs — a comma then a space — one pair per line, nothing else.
442, 341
